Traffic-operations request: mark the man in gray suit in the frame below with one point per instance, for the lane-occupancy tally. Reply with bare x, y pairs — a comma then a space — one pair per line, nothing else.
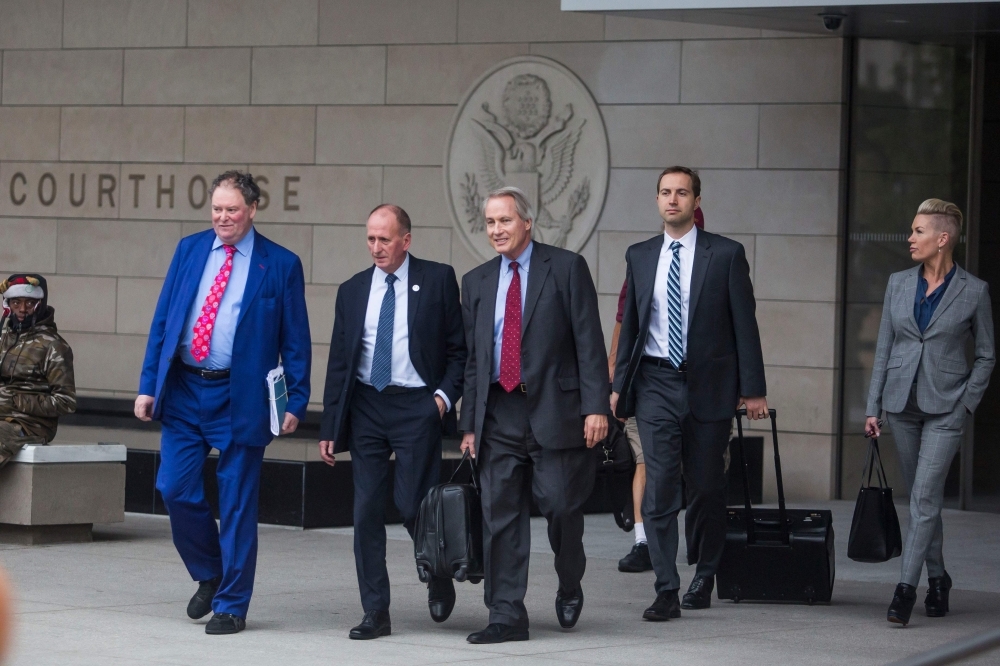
688, 356
921, 378
535, 400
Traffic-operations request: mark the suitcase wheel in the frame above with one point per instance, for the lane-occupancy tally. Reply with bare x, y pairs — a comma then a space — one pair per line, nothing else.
810, 594
475, 580
423, 574
462, 573
736, 594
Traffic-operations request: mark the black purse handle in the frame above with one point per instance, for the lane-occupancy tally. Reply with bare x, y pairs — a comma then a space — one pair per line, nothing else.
874, 456
782, 513
474, 477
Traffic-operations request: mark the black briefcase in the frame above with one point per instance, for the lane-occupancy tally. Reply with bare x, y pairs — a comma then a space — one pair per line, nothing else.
776, 554
448, 536
615, 470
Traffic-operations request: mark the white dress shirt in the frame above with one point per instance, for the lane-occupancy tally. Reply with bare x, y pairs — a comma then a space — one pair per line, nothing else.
503, 286
659, 324
403, 372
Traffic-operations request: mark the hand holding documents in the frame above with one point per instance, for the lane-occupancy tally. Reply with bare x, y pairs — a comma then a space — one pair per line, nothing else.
278, 398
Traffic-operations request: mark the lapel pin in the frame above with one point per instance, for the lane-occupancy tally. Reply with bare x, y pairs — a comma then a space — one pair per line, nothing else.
416, 287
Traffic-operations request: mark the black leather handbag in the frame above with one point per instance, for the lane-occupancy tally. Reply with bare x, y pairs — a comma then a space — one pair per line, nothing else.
776, 554
615, 469
448, 535
875, 535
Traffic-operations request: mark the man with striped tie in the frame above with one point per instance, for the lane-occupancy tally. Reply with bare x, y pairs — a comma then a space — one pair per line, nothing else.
688, 357
397, 357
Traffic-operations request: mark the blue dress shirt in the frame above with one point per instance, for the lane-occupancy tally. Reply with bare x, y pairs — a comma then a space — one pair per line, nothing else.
924, 305
220, 353
506, 275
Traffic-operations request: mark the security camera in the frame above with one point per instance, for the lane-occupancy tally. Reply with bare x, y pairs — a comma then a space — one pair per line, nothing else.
832, 22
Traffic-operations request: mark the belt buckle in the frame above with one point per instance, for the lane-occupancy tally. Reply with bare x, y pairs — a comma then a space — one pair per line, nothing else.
524, 389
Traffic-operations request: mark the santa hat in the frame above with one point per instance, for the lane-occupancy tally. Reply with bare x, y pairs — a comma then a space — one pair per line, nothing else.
23, 285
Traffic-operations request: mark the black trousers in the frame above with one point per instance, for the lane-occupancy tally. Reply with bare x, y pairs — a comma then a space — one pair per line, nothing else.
513, 468
409, 425
672, 440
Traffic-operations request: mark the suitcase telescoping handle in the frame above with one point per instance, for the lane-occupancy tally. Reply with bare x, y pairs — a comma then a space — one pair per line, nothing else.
782, 515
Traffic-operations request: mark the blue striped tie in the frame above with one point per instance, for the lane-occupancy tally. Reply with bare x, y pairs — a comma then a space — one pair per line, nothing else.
382, 358
675, 345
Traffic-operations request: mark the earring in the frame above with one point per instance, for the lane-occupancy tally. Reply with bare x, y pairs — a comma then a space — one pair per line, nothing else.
939, 250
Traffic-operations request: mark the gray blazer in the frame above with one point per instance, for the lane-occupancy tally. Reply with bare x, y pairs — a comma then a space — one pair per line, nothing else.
563, 362
936, 358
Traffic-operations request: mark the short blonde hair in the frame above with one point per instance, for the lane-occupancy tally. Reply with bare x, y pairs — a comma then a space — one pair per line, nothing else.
947, 217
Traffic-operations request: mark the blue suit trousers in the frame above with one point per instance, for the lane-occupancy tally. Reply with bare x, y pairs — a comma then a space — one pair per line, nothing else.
196, 419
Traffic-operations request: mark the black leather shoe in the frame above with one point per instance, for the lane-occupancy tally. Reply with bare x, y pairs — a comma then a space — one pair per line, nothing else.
498, 633
666, 607
440, 598
225, 623
699, 595
568, 607
636, 561
902, 604
201, 603
375, 623
936, 601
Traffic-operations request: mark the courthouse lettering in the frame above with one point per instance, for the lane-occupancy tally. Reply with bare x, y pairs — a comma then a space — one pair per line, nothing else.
134, 189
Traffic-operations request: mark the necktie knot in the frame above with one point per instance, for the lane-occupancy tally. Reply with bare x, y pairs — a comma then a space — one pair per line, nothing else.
230, 249
675, 247
514, 266
390, 279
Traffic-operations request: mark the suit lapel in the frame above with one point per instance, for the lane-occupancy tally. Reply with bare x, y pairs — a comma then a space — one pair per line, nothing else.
951, 293
194, 266
909, 296
647, 258
416, 281
488, 308
255, 277
538, 271
702, 258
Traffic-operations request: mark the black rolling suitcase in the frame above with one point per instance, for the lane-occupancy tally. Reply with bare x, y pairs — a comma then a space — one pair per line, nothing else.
776, 554
448, 536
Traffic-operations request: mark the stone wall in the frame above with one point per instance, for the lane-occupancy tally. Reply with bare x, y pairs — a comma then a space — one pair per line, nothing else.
115, 113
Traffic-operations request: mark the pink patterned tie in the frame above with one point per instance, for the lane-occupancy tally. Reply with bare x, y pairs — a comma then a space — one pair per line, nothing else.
510, 344
202, 340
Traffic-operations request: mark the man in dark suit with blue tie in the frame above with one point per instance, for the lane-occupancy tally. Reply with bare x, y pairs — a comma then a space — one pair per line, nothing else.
232, 305
397, 359
688, 356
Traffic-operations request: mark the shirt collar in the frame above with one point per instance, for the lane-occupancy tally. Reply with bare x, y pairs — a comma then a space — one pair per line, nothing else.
688, 240
522, 260
244, 247
947, 278
400, 272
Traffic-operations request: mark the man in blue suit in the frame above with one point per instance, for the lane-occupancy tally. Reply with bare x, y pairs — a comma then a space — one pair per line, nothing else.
232, 307
397, 359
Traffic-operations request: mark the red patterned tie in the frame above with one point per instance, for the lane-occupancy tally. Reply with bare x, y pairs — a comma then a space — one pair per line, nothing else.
510, 347
202, 340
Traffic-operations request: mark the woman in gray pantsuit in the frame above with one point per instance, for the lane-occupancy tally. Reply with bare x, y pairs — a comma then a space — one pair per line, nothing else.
923, 381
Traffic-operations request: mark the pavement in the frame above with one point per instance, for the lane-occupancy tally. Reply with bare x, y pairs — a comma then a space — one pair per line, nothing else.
122, 599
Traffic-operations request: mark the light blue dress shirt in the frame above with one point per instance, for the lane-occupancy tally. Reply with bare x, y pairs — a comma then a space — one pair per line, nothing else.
220, 353
506, 275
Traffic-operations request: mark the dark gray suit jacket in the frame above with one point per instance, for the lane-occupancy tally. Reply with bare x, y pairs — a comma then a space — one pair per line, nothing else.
563, 362
724, 358
938, 355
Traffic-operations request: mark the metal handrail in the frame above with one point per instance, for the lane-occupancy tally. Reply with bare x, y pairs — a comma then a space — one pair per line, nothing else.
949, 653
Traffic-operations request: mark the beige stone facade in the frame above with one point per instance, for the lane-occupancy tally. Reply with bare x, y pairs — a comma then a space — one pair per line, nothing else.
115, 114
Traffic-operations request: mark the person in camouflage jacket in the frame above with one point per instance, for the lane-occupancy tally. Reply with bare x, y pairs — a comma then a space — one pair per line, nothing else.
36, 366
